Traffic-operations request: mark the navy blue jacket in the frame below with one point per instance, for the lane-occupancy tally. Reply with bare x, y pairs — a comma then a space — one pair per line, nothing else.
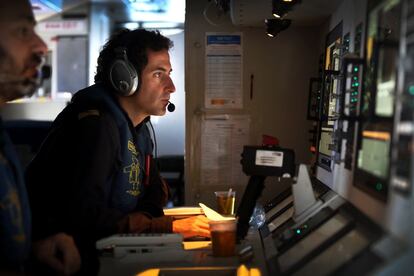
88, 178
15, 220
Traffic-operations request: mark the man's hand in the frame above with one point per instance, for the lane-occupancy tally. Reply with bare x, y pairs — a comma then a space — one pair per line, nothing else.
59, 252
192, 226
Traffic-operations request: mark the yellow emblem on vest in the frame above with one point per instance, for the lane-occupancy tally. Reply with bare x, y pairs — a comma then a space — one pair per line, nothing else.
131, 148
11, 203
133, 170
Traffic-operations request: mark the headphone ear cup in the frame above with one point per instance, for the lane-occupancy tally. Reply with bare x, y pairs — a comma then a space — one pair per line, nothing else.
123, 77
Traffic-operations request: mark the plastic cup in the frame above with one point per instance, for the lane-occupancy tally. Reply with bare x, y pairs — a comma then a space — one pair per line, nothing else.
225, 203
223, 237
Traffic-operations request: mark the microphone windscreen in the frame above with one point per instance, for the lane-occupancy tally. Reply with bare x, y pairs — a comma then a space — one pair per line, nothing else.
46, 71
170, 107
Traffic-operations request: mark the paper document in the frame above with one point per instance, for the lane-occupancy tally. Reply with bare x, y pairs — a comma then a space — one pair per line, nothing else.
181, 212
213, 215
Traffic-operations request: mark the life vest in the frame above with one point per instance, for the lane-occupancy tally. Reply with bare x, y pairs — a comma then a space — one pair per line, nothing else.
135, 144
15, 218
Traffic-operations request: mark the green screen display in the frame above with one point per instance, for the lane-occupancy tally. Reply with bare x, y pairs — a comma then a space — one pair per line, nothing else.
374, 157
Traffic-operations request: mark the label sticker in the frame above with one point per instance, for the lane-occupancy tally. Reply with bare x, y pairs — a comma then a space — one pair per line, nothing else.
269, 158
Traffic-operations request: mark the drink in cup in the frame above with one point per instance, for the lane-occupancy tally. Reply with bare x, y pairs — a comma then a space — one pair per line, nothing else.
223, 237
225, 202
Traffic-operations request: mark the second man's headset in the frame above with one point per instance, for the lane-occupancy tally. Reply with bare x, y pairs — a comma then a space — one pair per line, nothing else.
122, 74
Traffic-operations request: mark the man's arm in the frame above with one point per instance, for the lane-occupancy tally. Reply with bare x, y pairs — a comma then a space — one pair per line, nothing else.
189, 227
157, 196
192, 226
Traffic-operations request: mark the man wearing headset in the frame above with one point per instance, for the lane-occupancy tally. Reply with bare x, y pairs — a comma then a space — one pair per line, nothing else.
95, 169
21, 52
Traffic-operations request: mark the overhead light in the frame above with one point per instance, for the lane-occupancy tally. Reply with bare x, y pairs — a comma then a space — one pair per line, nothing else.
131, 25
155, 6
160, 25
275, 26
281, 7
169, 32
156, 10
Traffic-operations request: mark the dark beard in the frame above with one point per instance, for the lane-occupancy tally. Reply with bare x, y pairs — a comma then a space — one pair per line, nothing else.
13, 91
13, 87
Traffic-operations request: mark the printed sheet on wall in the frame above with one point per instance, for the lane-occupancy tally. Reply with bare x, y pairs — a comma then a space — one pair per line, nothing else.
222, 140
223, 72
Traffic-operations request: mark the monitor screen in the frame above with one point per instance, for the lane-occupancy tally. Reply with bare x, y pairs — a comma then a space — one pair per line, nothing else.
374, 154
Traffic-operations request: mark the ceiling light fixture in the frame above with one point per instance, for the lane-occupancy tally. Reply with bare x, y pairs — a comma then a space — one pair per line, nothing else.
281, 7
275, 26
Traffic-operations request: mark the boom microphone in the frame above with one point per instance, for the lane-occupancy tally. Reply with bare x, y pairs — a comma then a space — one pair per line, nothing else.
170, 107
45, 72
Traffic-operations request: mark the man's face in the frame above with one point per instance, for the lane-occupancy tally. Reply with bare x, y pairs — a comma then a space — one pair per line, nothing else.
155, 84
21, 50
